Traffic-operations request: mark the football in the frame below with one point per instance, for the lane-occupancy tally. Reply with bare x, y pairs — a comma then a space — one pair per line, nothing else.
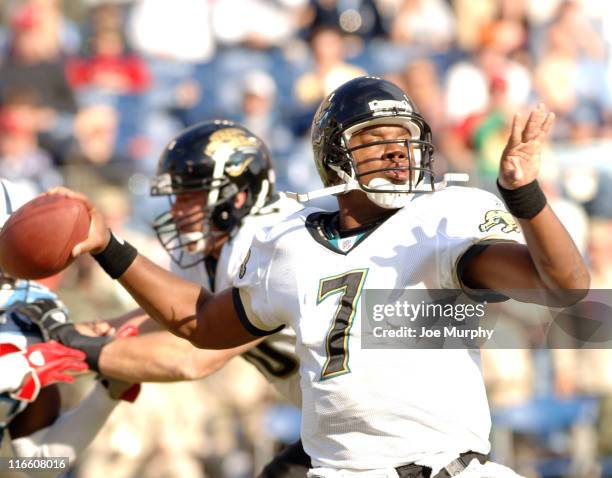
37, 240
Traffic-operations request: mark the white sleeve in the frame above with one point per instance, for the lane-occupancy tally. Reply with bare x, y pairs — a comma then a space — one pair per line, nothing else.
480, 219
71, 433
251, 291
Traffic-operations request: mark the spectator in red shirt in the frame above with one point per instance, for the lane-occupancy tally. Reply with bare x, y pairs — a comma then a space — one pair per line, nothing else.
110, 68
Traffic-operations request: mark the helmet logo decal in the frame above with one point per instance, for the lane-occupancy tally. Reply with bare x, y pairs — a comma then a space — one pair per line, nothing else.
235, 170
228, 139
383, 106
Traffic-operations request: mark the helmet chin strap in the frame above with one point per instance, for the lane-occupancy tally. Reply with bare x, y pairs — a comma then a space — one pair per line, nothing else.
349, 184
387, 197
320, 193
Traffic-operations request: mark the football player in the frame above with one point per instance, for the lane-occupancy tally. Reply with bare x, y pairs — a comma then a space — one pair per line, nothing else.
219, 181
31, 365
384, 413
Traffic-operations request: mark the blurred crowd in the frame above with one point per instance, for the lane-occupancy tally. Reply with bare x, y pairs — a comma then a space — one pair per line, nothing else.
91, 90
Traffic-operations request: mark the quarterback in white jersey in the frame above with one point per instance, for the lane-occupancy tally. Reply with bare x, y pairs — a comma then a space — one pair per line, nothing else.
346, 389
382, 413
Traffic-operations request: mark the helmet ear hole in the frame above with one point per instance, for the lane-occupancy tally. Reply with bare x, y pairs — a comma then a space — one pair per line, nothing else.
223, 218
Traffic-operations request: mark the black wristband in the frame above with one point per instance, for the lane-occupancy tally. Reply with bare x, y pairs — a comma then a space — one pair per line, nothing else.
116, 257
92, 346
525, 202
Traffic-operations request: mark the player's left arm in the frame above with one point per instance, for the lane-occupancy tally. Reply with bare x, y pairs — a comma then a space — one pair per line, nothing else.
159, 356
154, 355
550, 260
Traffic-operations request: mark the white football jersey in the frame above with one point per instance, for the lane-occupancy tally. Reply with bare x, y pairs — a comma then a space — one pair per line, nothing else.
275, 358
367, 409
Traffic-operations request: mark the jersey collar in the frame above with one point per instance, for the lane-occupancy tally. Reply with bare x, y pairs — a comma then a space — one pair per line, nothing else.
325, 229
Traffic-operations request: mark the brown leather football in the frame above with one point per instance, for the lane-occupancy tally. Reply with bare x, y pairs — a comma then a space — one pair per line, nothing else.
38, 238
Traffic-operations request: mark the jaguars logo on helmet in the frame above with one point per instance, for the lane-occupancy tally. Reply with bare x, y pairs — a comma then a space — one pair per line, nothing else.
220, 158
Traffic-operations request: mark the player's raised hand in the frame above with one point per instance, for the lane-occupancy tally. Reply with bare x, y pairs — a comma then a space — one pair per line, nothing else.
520, 161
99, 234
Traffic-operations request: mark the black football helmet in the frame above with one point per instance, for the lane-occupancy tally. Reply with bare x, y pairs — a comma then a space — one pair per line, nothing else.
358, 104
220, 158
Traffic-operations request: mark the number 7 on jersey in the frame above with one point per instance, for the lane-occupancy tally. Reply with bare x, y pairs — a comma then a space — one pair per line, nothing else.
349, 286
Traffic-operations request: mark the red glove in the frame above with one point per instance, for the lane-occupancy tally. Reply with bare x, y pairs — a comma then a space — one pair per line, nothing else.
118, 389
49, 363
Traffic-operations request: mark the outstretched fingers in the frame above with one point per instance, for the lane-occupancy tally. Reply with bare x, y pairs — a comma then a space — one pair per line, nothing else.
534, 123
518, 124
